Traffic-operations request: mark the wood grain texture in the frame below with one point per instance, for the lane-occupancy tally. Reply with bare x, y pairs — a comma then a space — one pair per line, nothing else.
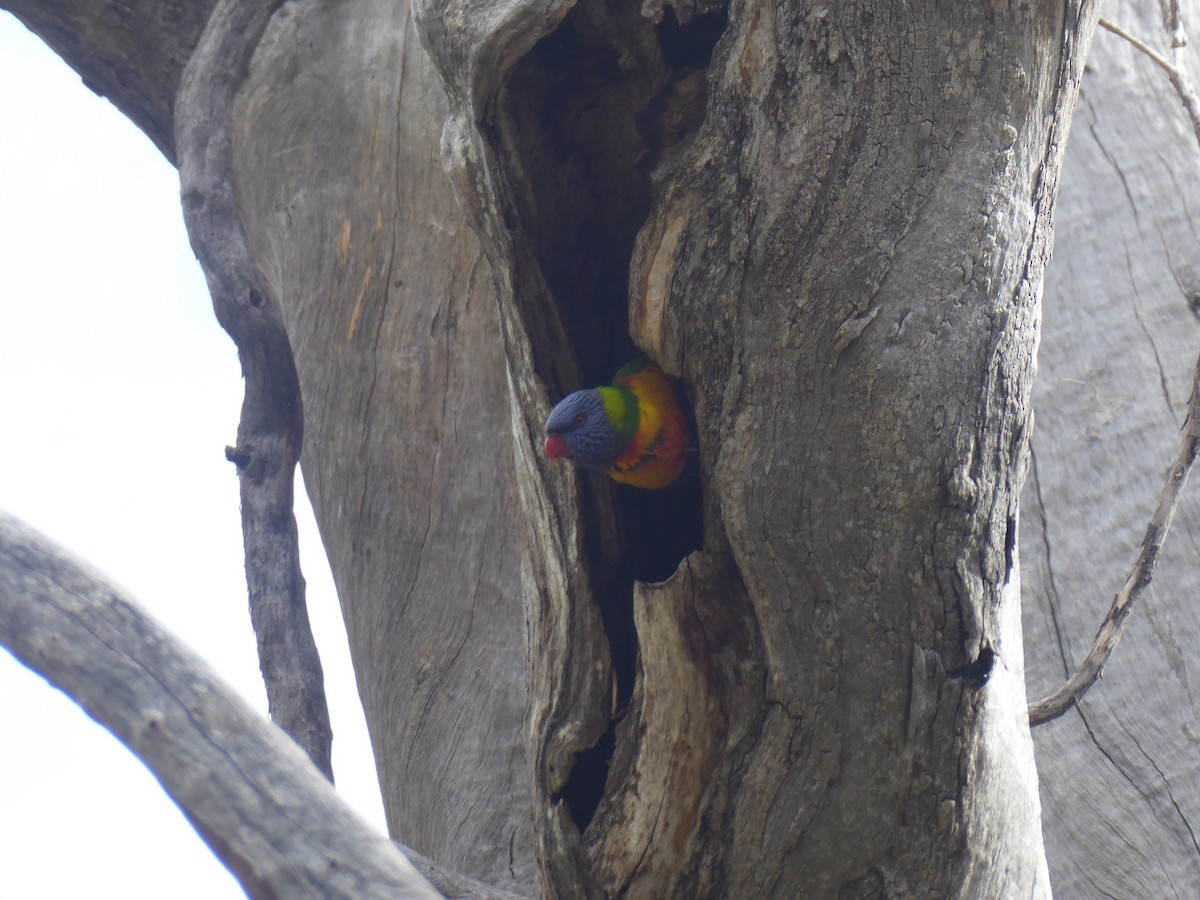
696, 704
1120, 776
389, 306
867, 449
271, 426
253, 795
844, 263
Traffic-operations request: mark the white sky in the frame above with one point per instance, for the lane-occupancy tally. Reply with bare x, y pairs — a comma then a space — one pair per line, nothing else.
118, 395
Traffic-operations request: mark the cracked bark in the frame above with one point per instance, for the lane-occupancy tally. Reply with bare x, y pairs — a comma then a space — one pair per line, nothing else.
802, 300
392, 320
350, 221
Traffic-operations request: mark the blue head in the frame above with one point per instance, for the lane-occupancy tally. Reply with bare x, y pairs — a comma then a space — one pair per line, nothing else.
579, 428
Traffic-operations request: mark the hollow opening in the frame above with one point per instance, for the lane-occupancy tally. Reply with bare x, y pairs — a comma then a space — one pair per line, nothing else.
594, 106
976, 673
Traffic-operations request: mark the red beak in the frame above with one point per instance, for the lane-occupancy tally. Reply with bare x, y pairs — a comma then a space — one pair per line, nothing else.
556, 448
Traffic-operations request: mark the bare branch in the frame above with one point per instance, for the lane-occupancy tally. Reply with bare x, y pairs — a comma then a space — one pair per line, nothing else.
1179, 80
1138, 43
1175, 26
1117, 620
251, 793
271, 428
132, 54
247, 788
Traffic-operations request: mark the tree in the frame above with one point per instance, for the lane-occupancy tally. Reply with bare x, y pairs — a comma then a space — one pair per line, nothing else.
832, 222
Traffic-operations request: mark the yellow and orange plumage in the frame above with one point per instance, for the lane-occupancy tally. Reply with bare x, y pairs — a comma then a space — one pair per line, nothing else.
637, 429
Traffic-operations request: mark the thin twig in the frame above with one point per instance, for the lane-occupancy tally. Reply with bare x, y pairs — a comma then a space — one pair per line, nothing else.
271, 427
1179, 80
1115, 622
1154, 55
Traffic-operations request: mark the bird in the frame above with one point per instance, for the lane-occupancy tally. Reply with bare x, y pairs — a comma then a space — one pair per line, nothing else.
638, 429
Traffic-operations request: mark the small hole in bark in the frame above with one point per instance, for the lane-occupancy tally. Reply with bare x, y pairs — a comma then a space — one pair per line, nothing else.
976, 674
239, 457
256, 297
585, 786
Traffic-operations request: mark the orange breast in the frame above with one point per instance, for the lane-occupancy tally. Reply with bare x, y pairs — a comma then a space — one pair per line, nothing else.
657, 454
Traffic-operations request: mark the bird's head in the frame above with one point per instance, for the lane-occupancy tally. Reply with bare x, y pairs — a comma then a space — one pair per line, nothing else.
579, 428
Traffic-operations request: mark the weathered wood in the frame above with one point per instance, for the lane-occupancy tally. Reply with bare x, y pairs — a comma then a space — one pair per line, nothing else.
1120, 775
696, 703
254, 796
408, 422
391, 311
272, 421
843, 259
1120, 778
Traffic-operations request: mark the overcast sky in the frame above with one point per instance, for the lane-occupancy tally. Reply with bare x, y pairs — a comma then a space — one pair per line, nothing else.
118, 395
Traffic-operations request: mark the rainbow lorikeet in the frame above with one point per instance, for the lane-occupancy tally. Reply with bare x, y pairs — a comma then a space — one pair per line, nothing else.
638, 429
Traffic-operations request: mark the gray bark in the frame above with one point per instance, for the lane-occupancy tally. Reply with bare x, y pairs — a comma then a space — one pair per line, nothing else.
857, 329
1120, 777
840, 227
392, 318
272, 421
253, 795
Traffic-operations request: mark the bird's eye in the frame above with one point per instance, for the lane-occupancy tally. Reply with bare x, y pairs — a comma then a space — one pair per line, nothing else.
579, 420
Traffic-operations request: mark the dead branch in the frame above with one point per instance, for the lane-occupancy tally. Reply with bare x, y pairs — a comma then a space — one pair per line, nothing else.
259, 803
271, 428
249, 791
1179, 80
1117, 619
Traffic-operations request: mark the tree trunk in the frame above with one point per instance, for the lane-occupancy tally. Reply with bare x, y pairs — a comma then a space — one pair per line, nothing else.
832, 222
841, 254
407, 453
407, 450
1120, 779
